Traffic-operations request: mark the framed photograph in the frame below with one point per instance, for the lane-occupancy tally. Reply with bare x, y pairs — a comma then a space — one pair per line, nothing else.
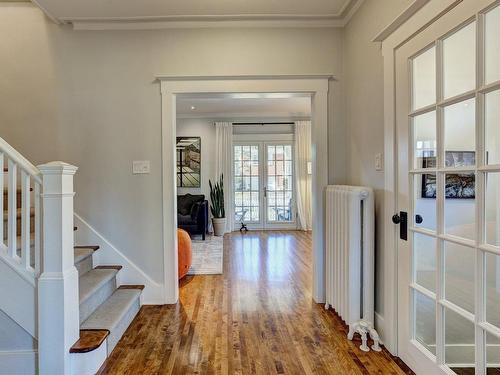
457, 186
189, 162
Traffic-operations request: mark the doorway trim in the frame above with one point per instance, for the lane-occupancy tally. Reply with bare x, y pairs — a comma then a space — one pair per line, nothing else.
171, 86
419, 15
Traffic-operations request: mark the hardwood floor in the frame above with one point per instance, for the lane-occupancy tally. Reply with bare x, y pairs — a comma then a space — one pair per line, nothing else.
256, 318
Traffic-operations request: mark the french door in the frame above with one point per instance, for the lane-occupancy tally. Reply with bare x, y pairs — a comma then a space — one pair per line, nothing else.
263, 185
448, 132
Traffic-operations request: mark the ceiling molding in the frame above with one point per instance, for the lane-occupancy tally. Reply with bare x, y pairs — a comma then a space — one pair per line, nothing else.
213, 21
349, 10
46, 12
158, 25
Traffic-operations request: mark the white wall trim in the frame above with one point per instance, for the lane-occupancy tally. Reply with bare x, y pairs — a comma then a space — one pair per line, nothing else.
18, 362
167, 77
391, 41
109, 254
400, 20
283, 20
158, 25
316, 86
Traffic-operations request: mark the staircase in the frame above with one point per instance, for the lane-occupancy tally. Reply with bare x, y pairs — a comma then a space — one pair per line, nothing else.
41, 292
104, 306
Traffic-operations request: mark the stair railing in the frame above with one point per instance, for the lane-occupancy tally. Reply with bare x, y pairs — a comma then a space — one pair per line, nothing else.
37, 242
20, 229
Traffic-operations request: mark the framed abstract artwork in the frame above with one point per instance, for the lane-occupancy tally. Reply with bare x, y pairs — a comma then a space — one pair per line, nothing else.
188, 162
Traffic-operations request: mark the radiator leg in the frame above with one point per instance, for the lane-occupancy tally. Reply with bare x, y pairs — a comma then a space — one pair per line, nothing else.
376, 340
352, 331
364, 341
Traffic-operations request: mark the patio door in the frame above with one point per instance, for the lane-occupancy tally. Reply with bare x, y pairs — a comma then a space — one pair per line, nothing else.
263, 185
448, 131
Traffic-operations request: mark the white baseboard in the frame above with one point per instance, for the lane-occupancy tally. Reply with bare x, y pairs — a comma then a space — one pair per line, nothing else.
18, 362
153, 293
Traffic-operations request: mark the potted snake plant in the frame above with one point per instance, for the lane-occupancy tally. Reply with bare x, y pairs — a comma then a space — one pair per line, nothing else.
217, 206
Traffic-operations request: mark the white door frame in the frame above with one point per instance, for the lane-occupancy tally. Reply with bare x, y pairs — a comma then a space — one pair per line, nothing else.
171, 86
418, 16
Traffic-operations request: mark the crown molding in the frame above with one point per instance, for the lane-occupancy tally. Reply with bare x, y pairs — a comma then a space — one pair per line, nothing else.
212, 21
49, 14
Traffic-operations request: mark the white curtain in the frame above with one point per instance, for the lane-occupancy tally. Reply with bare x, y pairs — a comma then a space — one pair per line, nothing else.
223, 166
302, 176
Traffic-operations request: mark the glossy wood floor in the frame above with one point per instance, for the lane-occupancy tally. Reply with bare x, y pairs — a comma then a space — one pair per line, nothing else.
256, 318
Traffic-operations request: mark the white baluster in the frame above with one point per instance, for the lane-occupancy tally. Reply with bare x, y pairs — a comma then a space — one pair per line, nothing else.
1, 200
38, 229
25, 220
12, 209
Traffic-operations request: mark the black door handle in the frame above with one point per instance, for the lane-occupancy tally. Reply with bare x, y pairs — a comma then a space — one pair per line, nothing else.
419, 219
402, 220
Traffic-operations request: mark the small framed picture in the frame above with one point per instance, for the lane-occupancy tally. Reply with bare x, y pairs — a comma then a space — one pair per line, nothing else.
457, 185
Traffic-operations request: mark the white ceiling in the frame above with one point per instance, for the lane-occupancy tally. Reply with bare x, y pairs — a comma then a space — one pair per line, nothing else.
195, 10
243, 106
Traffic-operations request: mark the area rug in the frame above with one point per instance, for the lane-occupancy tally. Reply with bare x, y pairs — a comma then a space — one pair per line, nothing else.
207, 256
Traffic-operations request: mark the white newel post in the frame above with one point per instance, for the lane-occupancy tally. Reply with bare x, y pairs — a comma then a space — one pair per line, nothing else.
58, 309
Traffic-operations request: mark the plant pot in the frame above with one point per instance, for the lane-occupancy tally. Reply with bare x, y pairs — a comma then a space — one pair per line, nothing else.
219, 226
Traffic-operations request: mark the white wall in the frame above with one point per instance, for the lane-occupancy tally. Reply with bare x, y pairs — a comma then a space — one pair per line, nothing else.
206, 130
364, 108
104, 107
27, 82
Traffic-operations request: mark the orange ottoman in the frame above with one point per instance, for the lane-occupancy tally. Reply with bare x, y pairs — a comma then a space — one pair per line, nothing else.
184, 252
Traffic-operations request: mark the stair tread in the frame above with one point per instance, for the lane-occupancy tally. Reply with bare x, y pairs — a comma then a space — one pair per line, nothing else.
109, 314
91, 281
90, 339
93, 247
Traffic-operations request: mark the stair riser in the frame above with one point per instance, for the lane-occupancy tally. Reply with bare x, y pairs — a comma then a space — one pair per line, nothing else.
18, 226
84, 266
117, 333
101, 295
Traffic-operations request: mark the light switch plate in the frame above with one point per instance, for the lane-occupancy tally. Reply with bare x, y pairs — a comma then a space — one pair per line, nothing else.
141, 167
379, 162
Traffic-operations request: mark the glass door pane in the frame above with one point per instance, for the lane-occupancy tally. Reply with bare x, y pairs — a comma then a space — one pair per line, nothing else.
246, 183
448, 90
491, 50
459, 68
279, 183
